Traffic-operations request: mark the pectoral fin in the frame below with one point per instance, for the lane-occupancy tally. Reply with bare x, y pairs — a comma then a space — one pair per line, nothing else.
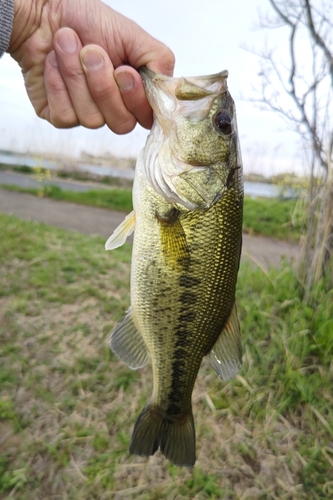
226, 354
122, 232
127, 343
173, 241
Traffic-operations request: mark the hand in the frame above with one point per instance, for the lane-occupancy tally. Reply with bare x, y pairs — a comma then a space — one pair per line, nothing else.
79, 60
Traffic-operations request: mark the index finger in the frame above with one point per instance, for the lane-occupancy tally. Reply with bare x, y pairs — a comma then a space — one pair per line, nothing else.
161, 61
133, 93
144, 50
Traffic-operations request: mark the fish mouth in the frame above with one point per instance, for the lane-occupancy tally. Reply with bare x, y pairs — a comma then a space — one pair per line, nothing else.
168, 95
191, 88
148, 73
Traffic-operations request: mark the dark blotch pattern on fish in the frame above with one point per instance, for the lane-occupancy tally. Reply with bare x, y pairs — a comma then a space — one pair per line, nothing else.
187, 281
179, 372
183, 335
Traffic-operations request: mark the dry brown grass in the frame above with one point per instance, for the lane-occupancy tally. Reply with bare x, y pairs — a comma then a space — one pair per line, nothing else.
68, 406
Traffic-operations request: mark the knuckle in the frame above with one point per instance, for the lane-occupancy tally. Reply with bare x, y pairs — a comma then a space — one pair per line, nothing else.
92, 121
103, 93
42, 112
170, 60
65, 120
55, 86
122, 127
73, 72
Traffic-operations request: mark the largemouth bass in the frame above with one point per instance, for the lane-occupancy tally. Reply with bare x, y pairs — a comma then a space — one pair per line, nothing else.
188, 203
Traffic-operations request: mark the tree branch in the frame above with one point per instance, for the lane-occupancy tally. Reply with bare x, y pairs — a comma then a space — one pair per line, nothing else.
317, 38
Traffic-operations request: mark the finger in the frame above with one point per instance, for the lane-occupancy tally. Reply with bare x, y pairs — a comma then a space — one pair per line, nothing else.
133, 94
104, 89
67, 47
59, 109
160, 60
142, 49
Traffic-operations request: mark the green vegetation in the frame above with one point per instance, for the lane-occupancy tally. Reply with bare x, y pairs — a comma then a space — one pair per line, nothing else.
267, 217
114, 199
67, 405
270, 217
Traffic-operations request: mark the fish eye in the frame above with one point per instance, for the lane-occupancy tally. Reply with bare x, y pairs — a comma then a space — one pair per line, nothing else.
222, 121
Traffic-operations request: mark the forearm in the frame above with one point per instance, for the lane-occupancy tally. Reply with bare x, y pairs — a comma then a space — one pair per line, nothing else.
6, 23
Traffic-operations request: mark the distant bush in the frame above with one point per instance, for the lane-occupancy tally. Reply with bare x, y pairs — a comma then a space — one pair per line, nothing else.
270, 217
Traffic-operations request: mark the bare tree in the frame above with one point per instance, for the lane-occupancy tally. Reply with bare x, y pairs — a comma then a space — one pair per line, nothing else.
300, 89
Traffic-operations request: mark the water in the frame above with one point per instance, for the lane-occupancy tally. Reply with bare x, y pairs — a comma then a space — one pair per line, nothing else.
28, 161
261, 190
254, 189
54, 165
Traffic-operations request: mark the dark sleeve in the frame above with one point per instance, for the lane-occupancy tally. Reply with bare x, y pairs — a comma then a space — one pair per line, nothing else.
6, 23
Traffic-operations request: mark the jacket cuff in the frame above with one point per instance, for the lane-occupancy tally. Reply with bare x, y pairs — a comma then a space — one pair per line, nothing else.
6, 23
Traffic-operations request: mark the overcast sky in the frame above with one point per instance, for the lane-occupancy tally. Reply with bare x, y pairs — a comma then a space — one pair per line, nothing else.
206, 37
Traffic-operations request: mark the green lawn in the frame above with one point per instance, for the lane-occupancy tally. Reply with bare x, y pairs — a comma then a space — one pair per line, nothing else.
67, 405
268, 217
271, 217
114, 199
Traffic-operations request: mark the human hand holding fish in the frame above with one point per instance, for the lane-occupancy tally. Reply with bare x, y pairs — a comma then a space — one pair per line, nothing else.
188, 204
79, 61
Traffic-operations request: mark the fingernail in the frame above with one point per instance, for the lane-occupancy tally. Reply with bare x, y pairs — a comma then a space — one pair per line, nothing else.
53, 59
67, 41
125, 81
92, 59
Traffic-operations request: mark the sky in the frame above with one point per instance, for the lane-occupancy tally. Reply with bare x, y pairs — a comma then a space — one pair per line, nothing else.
206, 37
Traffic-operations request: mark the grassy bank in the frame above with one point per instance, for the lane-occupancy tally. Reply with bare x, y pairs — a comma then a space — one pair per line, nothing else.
114, 199
270, 217
67, 405
266, 217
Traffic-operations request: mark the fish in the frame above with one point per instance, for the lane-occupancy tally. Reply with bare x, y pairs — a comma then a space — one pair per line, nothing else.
187, 223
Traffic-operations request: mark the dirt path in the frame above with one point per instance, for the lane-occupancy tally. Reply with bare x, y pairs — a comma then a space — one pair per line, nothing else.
102, 222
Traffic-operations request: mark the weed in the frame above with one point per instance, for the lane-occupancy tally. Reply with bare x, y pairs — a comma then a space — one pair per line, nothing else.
269, 217
68, 405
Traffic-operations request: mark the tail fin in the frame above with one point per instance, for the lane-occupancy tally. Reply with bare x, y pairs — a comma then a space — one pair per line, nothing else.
175, 437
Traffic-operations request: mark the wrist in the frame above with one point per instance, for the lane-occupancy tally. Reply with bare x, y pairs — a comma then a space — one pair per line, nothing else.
27, 19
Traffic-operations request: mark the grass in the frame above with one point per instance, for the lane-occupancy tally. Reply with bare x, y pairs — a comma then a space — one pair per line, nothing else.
67, 405
270, 217
114, 199
266, 217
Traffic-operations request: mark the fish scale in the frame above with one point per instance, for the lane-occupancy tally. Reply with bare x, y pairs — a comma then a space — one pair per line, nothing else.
188, 199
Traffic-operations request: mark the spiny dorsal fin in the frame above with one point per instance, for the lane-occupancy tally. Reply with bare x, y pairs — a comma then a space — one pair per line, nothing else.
121, 233
187, 91
226, 354
127, 343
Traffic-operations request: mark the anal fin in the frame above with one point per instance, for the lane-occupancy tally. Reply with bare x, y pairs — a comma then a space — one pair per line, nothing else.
121, 233
127, 343
226, 354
